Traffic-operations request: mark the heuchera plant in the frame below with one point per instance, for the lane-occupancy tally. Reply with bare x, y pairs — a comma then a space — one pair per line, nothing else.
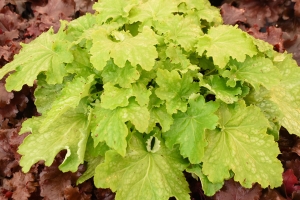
144, 90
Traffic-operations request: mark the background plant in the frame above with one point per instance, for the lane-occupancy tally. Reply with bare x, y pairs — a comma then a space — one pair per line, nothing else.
146, 90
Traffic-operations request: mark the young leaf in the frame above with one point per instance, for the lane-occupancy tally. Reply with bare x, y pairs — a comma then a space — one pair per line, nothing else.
161, 116
177, 56
105, 122
114, 97
121, 76
46, 94
81, 64
224, 42
174, 88
142, 174
58, 136
188, 129
242, 145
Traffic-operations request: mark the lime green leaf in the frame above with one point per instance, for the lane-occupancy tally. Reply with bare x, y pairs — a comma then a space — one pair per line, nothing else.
109, 125
177, 56
175, 89
138, 115
81, 64
161, 116
188, 129
70, 132
114, 97
242, 145
118, 10
93, 151
47, 53
69, 97
262, 99
92, 163
142, 95
170, 66
286, 94
46, 94
77, 27
203, 10
256, 71
93, 156
142, 174
208, 187
153, 11
224, 42
217, 85
121, 76
180, 31
138, 50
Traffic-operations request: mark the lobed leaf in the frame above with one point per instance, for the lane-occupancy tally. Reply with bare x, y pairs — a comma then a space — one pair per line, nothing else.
189, 127
224, 42
72, 137
109, 125
242, 145
69, 97
174, 89
152, 11
142, 174
218, 86
48, 53
286, 94
138, 50
180, 31
257, 71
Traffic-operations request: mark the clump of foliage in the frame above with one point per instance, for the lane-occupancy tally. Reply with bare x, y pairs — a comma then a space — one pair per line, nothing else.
144, 90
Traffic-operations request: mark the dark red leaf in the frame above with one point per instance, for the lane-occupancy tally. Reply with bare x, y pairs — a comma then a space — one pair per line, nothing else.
63, 9
234, 191
297, 8
74, 194
292, 45
21, 185
290, 181
53, 181
104, 194
260, 12
5, 96
272, 195
232, 15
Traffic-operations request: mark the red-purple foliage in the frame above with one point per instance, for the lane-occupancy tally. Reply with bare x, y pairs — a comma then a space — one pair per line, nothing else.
234, 191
